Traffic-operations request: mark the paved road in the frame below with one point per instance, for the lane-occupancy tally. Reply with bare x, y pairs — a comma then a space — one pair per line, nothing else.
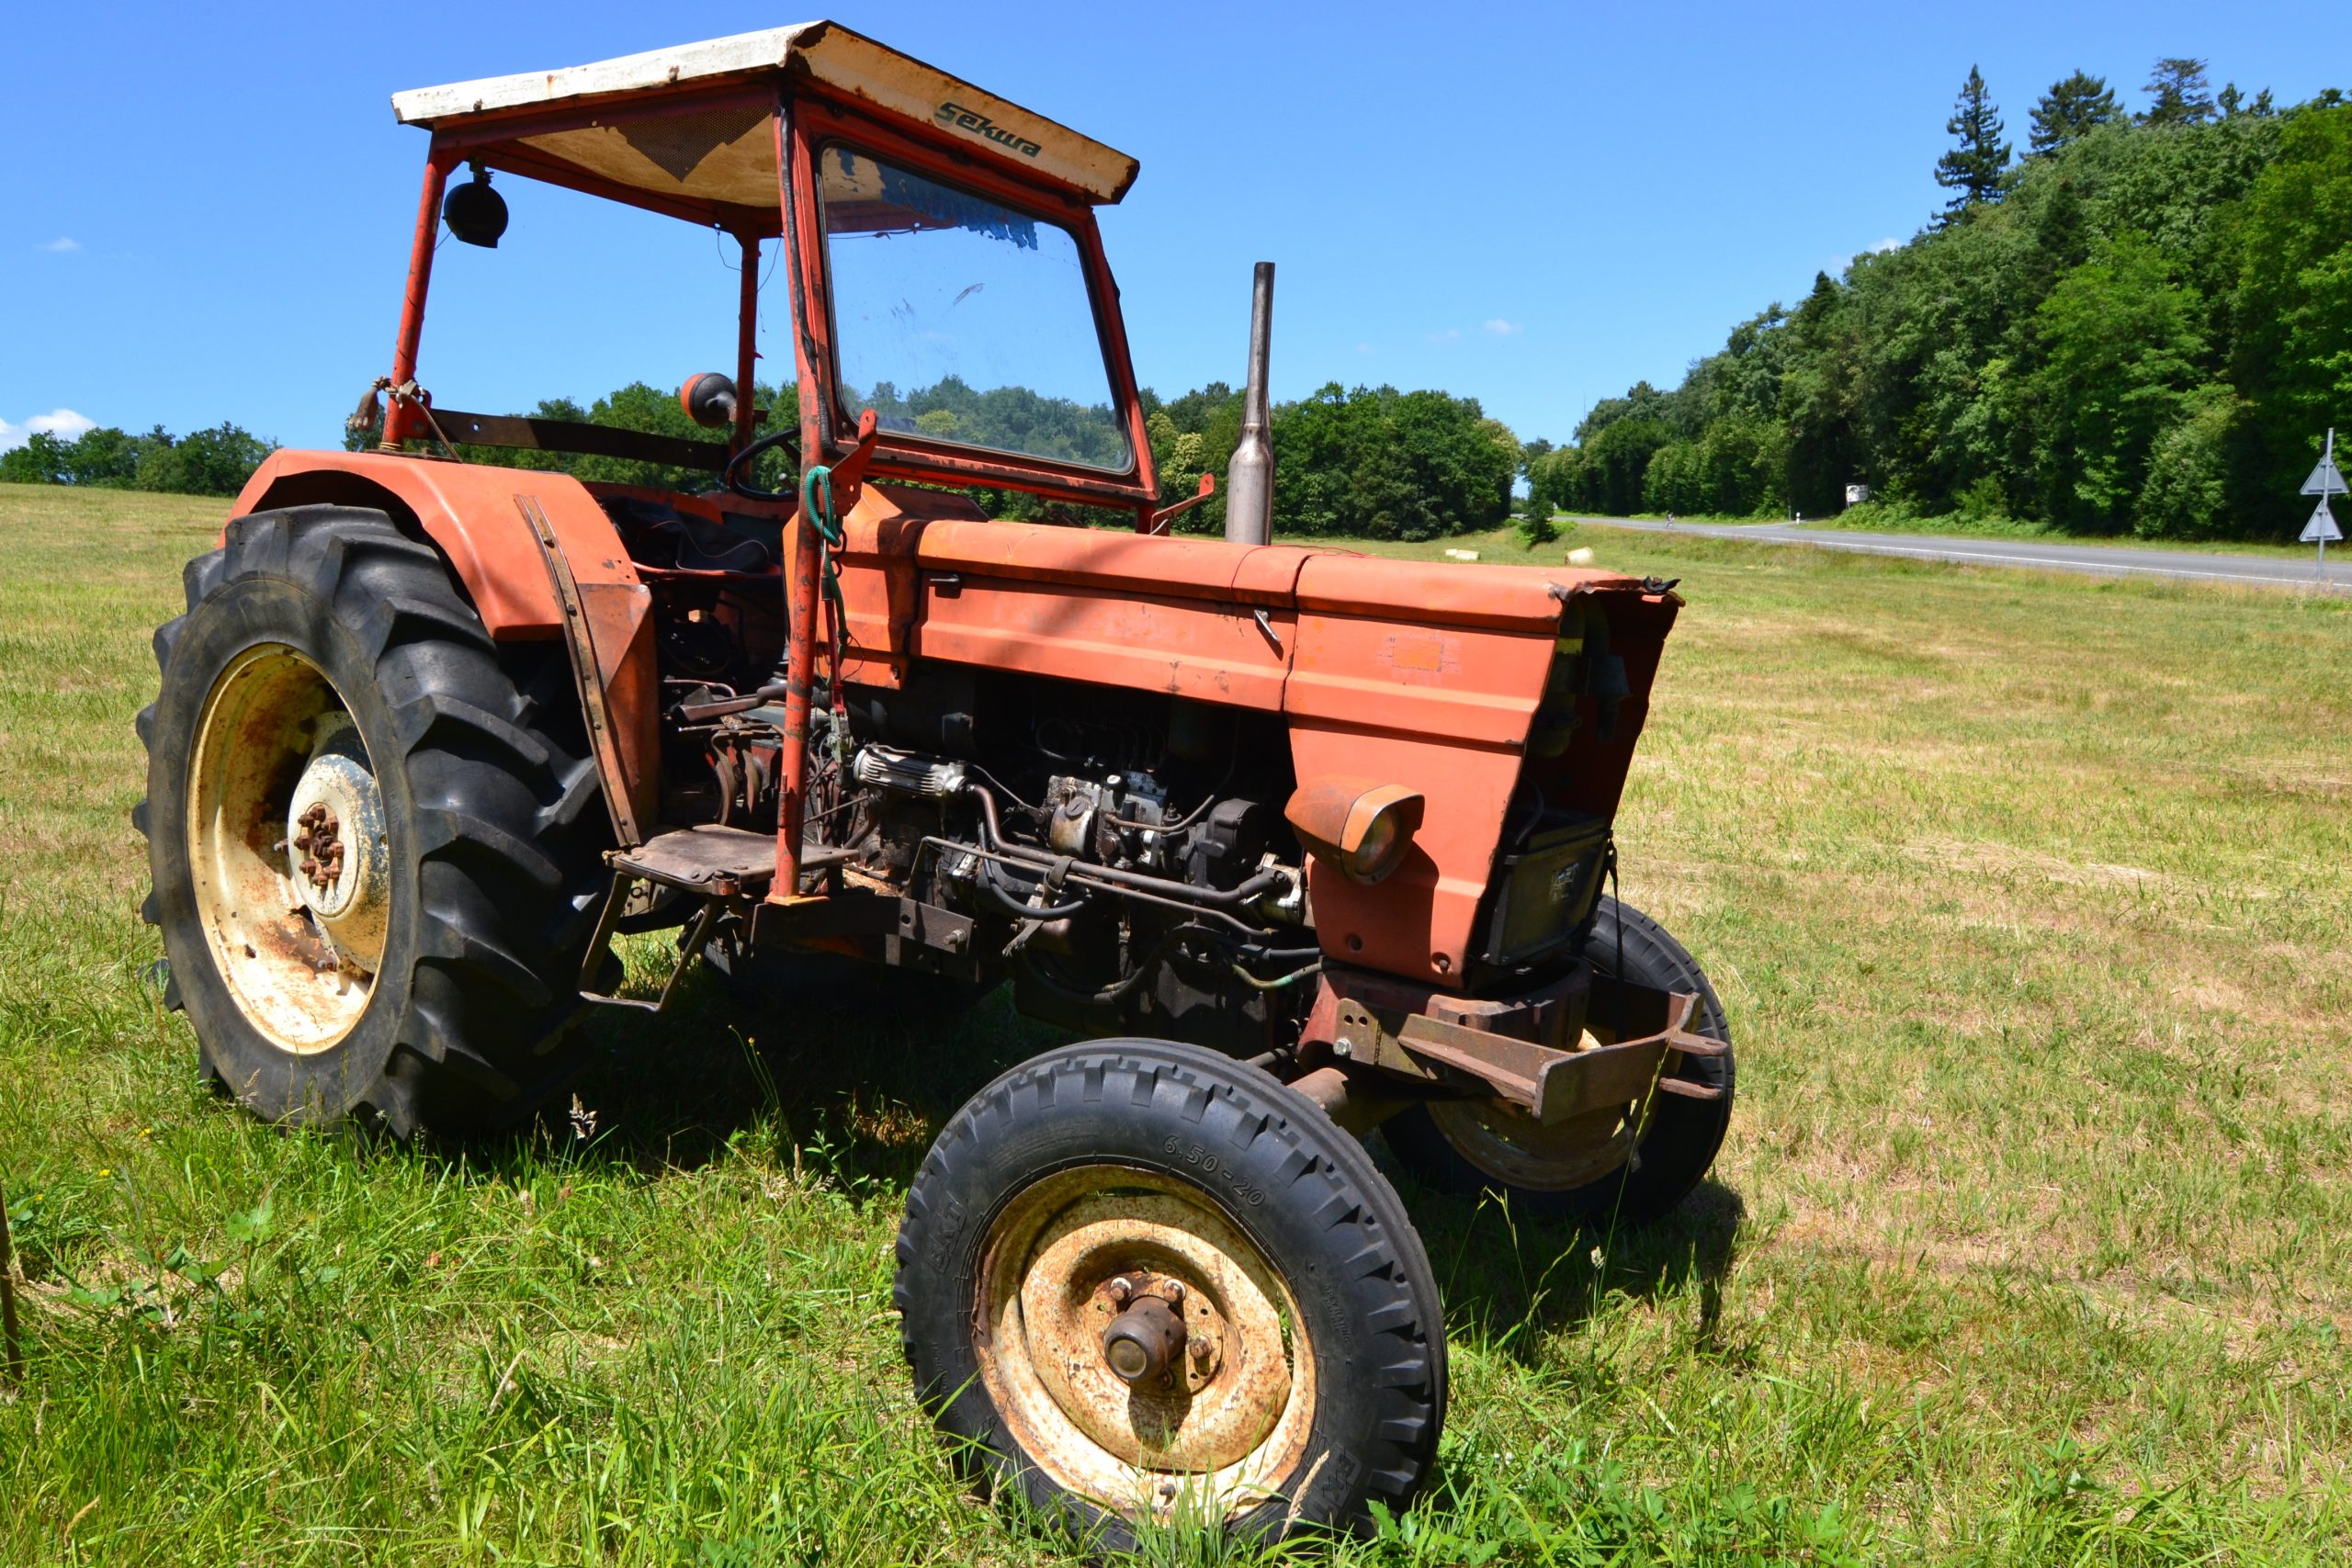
2100, 560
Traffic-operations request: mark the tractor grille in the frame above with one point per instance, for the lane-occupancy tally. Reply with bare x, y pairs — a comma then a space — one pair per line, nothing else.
1546, 892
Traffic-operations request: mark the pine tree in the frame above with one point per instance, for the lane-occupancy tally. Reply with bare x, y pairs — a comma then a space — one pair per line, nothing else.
2178, 94
1972, 171
2071, 109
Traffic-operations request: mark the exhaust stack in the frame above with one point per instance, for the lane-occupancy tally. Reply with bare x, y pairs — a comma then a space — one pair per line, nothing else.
1249, 479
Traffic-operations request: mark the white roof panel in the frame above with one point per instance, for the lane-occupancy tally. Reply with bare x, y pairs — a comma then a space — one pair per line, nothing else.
830, 53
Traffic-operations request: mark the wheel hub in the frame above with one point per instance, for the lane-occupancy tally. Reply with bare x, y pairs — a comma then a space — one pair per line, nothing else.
337, 853
1133, 1335
1150, 1345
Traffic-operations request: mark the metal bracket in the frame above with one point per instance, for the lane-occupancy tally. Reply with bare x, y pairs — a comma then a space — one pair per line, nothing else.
1166, 514
1553, 1086
602, 944
1549, 1084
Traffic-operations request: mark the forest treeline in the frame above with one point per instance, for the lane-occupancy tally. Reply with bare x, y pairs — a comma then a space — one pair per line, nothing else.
2143, 323
1369, 462
204, 462
1363, 462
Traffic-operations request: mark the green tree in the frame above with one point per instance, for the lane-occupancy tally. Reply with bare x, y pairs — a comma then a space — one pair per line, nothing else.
2177, 93
2293, 304
1556, 482
1378, 463
2190, 469
43, 460
1973, 169
204, 462
2075, 106
1644, 401
2119, 349
1617, 463
112, 458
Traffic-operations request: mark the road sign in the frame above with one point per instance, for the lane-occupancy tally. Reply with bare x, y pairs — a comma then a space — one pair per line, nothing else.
2325, 480
2321, 529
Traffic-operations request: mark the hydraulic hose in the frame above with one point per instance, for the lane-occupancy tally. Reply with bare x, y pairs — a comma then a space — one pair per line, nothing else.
1168, 887
1020, 910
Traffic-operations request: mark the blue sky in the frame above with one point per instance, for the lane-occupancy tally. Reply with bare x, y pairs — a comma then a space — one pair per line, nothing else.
204, 211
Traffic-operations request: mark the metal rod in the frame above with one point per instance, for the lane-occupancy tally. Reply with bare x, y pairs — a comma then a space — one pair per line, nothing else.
397, 415
747, 350
800, 587
1250, 478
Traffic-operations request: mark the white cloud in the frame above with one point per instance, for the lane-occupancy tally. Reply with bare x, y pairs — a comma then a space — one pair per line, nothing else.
63, 423
1363, 348
1501, 328
62, 243
1448, 335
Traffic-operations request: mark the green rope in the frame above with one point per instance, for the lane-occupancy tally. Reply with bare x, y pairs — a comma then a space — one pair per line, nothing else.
829, 528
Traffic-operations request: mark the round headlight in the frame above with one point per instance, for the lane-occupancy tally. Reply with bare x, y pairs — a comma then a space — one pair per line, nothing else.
1362, 829
1381, 845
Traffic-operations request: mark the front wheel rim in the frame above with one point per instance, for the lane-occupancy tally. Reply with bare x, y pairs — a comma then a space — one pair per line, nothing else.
1505, 1145
288, 849
1224, 1428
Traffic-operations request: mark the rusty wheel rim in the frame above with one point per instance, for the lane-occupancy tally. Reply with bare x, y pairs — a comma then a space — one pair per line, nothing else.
1224, 1428
286, 849
1518, 1151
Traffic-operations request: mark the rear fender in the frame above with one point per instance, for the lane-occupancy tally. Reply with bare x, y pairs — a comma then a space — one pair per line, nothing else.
474, 515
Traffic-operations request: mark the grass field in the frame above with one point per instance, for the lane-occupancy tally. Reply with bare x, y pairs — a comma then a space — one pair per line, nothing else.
2032, 1241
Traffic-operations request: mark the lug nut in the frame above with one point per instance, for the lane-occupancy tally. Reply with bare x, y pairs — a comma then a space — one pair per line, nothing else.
1120, 1291
1198, 1346
1174, 1292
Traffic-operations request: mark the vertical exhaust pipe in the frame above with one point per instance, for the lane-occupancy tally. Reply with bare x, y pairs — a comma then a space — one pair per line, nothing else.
1249, 479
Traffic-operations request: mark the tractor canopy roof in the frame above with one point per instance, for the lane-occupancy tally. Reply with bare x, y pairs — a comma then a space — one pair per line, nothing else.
690, 130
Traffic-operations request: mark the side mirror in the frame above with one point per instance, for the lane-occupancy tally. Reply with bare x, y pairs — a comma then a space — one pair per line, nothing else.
475, 213
708, 400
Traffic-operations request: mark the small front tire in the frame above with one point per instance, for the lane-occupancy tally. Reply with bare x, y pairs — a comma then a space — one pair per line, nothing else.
1308, 1378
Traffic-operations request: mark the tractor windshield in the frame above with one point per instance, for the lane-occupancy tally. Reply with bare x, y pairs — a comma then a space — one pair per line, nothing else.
958, 318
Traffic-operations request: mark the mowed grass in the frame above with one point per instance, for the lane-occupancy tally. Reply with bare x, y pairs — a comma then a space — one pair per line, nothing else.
2032, 1242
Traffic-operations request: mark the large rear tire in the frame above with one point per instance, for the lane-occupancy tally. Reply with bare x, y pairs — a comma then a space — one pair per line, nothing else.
1306, 1376
374, 834
1466, 1147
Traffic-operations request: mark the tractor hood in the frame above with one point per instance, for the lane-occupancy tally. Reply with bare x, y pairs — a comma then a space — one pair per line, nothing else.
728, 159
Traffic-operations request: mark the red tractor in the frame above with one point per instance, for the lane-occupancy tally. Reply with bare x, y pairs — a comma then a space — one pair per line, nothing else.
1301, 842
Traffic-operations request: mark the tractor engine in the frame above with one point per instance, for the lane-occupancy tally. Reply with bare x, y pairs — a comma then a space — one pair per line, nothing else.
1120, 856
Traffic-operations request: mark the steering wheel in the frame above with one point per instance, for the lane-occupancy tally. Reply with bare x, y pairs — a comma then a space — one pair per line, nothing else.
737, 465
